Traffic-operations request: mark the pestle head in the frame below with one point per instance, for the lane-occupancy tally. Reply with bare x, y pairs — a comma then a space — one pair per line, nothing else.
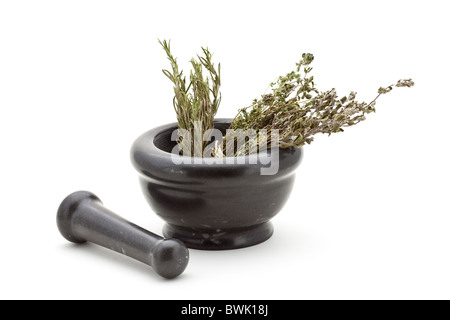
170, 258
66, 210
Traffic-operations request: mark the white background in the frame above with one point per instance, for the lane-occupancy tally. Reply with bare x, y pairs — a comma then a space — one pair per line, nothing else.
369, 215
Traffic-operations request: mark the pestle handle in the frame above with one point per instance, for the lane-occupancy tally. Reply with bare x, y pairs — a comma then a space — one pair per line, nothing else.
82, 217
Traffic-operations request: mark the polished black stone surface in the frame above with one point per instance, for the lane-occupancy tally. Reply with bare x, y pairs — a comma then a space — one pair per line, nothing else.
212, 206
82, 217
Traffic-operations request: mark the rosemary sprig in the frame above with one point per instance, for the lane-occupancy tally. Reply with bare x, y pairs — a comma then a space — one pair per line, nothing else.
198, 101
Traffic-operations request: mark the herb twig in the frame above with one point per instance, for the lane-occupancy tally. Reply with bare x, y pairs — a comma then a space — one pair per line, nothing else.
198, 101
299, 111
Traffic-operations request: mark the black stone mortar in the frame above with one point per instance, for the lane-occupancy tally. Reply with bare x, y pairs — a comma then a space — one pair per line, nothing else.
212, 206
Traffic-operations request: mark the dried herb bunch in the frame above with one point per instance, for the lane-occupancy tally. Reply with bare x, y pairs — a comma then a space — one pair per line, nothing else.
299, 111
198, 101
290, 115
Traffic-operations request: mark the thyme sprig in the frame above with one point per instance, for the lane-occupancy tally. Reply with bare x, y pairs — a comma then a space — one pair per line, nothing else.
299, 111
